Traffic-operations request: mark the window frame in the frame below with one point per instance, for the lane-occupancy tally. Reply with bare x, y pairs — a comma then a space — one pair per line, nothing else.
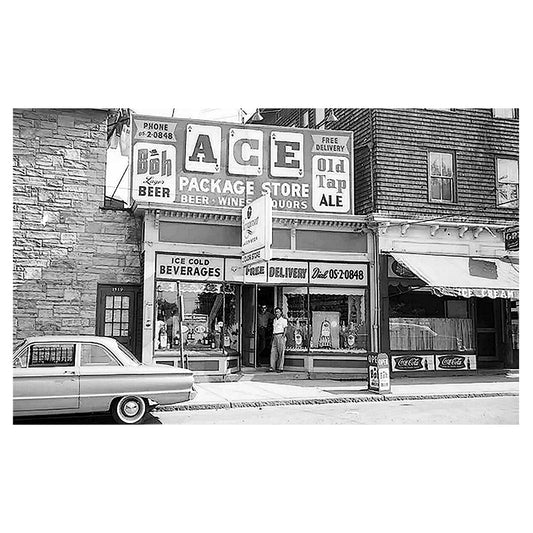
105, 348
514, 113
334, 352
453, 178
65, 343
496, 178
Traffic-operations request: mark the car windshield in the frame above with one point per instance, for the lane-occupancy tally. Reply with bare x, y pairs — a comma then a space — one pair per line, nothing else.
131, 359
18, 346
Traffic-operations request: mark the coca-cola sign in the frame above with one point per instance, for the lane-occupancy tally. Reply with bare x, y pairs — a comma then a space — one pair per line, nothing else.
410, 362
451, 362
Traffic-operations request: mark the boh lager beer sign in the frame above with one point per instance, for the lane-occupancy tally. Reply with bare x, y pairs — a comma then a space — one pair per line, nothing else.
194, 163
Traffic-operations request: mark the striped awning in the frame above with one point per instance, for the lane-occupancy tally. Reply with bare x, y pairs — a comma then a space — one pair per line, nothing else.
464, 276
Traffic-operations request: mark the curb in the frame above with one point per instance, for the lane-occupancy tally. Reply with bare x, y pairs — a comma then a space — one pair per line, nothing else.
338, 399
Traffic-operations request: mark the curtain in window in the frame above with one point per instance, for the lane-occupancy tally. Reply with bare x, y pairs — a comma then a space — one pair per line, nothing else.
439, 334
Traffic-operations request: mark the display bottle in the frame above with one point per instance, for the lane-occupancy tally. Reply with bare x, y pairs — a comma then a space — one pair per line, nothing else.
298, 339
342, 340
351, 337
163, 339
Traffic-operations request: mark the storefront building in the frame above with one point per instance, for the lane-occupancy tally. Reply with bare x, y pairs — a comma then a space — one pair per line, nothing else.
200, 307
440, 190
446, 299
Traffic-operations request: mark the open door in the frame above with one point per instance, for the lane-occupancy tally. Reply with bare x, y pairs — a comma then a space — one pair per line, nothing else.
249, 296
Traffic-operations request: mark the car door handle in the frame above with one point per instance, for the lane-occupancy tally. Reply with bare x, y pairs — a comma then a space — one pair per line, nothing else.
70, 372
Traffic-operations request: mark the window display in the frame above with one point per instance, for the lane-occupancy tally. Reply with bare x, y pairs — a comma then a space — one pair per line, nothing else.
338, 319
209, 322
294, 307
325, 319
421, 321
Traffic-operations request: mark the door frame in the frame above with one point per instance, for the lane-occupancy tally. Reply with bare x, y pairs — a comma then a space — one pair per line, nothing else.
244, 287
135, 321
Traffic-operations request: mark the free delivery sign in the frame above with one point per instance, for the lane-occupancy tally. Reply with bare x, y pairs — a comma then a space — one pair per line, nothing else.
191, 163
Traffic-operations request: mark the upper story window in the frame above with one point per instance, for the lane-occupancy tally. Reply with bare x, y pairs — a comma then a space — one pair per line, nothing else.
441, 177
504, 112
507, 183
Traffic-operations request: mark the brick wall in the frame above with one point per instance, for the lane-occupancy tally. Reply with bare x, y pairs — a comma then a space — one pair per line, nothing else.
63, 242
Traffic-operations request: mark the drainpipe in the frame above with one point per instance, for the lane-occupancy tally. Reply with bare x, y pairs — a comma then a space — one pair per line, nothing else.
375, 243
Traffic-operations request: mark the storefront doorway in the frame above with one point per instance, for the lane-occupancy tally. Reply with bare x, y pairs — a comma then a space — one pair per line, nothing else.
265, 316
257, 315
489, 330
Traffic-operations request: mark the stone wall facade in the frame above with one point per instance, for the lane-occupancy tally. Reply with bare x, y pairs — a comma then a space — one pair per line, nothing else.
64, 242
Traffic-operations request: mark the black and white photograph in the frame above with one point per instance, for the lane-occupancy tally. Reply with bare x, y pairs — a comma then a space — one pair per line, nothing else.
263, 267
292, 266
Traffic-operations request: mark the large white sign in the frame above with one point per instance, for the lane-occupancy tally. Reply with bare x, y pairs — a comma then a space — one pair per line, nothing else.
338, 274
331, 184
257, 230
154, 173
227, 166
189, 267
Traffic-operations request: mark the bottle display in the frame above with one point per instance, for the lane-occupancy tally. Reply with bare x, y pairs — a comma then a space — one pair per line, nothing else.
351, 337
342, 337
324, 341
298, 337
163, 339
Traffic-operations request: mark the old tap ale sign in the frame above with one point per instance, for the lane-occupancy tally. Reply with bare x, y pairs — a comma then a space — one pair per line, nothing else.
218, 165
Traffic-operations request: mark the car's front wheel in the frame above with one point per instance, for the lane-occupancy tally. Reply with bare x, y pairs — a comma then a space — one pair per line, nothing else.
128, 410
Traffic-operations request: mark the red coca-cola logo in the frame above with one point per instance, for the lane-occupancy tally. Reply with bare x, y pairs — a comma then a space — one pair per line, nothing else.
451, 361
408, 363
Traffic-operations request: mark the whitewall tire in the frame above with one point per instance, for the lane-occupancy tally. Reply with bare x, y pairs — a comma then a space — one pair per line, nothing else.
128, 410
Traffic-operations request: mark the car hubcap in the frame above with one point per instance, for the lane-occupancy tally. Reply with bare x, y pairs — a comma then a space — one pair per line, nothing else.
131, 408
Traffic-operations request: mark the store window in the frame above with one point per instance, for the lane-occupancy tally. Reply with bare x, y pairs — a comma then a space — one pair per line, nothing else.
322, 319
421, 321
338, 319
167, 331
295, 309
197, 317
441, 177
507, 183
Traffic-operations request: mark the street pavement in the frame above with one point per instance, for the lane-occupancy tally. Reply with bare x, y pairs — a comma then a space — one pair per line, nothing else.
262, 398
489, 410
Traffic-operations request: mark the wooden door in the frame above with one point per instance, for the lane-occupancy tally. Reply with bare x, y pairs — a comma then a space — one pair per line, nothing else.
118, 315
488, 334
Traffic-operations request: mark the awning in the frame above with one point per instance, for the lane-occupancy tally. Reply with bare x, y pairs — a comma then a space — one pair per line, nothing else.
449, 275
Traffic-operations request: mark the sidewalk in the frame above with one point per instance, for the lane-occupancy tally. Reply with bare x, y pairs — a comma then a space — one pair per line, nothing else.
263, 389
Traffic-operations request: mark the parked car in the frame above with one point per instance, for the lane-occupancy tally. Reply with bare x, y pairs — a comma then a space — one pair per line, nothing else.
88, 374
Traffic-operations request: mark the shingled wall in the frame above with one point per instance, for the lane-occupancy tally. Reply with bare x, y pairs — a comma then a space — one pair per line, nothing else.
64, 243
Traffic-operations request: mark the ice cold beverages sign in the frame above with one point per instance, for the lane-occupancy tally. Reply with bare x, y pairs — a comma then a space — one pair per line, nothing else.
219, 165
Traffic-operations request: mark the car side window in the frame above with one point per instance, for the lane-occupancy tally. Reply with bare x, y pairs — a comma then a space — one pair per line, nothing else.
95, 355
49, 355
21, 361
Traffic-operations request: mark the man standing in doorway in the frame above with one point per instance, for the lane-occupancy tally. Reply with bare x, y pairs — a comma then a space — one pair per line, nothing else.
277, 353
264, 318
